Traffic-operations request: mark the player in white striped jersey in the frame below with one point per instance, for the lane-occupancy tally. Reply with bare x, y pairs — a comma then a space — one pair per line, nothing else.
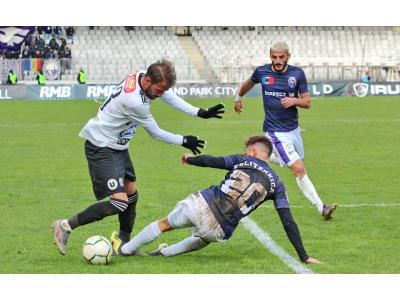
107, 140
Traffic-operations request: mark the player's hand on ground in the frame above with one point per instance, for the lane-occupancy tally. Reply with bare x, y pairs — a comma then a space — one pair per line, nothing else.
238, 107
312, 261
212, 112
288, 102
193, 143
185, 157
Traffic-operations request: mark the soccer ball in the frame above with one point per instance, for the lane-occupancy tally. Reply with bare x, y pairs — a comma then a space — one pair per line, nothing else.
97, 250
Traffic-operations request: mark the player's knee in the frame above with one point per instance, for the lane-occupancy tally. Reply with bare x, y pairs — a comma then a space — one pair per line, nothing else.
130, 187
119, 196
164, 225
204, 241
298, 168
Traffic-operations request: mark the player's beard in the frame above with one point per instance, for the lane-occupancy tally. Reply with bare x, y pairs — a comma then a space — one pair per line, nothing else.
149, 93
282, 65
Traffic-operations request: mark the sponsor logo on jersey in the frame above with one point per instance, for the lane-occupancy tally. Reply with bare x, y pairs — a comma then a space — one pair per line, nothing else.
360, 89
275, 94
292, 82
269, 80
130, 83
112, 184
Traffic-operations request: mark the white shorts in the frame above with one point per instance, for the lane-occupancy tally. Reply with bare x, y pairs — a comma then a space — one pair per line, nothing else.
288, 146
195, 212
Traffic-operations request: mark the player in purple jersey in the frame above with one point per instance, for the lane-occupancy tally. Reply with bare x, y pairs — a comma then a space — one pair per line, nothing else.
215, 212
284, 88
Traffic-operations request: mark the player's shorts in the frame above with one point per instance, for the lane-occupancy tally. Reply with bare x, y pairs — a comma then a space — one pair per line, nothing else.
108, 168
195, 212
288, 146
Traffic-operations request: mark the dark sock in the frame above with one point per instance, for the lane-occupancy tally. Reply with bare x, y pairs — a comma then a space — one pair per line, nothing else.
98, 211
127, 218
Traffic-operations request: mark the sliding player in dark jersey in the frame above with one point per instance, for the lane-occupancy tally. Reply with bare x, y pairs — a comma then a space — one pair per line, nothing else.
215, 212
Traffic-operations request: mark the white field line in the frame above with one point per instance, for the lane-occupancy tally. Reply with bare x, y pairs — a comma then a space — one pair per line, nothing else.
274, 248
384, 205
345, 205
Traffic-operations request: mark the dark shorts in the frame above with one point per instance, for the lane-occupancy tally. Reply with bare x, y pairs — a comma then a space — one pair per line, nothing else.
108, 168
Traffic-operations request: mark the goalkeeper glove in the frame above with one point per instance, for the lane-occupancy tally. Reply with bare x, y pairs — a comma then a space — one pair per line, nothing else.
212, 112
193, 143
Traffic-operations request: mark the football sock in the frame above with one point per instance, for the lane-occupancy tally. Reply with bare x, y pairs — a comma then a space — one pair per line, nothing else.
146, 236
97, 211
127, 218
189, 244
309, 191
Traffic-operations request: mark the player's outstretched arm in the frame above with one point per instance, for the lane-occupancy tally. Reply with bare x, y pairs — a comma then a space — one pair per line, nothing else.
203, 161
177, 102
293, 233
189, 141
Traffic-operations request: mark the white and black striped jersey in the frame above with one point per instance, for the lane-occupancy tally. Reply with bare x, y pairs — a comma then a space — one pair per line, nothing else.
127, 108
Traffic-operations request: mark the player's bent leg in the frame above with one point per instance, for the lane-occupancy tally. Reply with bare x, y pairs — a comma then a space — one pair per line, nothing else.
192, 243
99, 210
127, 218
305, 185
93, 213
309, 191
148, 234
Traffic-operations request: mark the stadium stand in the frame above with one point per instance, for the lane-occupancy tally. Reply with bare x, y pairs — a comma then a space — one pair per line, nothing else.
326, 53
226, 54
109, 52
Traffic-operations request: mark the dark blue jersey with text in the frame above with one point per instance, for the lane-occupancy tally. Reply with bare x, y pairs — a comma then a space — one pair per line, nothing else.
276, 86
249, 182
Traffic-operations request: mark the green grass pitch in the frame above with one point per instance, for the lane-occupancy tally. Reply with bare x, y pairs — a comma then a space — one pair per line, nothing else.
352, 156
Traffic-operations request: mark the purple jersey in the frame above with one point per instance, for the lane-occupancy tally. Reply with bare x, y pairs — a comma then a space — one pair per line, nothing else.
248, 183
276, 86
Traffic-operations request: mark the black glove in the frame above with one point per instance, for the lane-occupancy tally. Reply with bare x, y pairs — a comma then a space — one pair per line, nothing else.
212, 112
192, 142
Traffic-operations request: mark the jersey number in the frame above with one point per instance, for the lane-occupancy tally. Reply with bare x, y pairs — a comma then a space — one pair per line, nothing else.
115, 93
239, 187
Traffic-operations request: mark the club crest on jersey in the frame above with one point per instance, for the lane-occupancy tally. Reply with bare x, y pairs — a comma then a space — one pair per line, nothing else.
112, 184
268, 80
292, 82
130, 83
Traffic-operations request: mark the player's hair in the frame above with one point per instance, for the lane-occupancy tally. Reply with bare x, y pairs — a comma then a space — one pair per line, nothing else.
280, 46
262, 140
162, 71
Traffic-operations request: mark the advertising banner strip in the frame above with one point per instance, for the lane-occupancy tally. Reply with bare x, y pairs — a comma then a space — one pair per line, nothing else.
102, 91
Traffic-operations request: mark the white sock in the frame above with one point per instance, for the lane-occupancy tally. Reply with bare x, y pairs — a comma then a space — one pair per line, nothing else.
309, 191
189, 244
146, 236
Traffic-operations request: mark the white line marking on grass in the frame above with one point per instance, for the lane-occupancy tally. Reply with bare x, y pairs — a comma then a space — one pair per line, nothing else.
345, 205
274, 248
